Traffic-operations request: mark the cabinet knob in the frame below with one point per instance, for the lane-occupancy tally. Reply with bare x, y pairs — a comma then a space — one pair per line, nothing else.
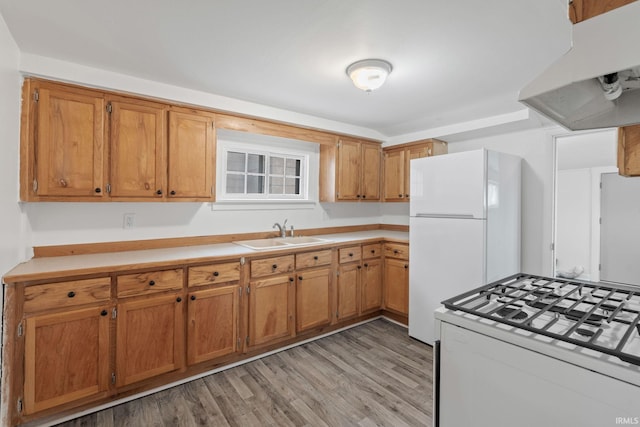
274, 266
364, 196
406, 266
315, 257
359, 267
366, 265
216, 274
406, 195
373, 251
358, 196
173, 192
299, 277
103, 313
178, 299
395, 251
98, 190
71, 294
350, 254
159, 192
193, 297
291, 279
152, 282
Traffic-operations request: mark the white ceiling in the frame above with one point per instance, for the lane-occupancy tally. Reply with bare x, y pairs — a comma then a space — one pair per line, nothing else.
454, 61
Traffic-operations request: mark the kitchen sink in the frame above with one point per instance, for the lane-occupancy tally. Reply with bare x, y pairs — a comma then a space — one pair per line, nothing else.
281, 242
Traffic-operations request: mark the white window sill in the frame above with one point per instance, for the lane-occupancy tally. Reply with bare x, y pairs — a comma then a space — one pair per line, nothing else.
267, 205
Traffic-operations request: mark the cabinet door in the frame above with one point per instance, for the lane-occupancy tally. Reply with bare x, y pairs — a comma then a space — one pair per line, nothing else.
371, 295
313, 302
213, 323
66, 357
137, 148
370, 186
191, 155
349, 169
150, 338
629, 150
348, 287
416, 152
396, 285
271, 310
69, 147
394, 176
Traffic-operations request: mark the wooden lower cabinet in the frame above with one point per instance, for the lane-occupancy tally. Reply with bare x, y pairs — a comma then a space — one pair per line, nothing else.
348, 291
271, 310
213, 318
66, 357
371, 286
396, 285
313, 299
150, 338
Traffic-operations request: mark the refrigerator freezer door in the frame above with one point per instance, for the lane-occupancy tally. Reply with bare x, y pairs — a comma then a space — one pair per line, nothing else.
452, 184
447, 258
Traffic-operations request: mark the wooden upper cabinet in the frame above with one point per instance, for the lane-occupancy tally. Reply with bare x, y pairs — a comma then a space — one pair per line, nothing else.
397, 166
350, 171
580, 10
629, 150
137, 148
192, 147
63, 151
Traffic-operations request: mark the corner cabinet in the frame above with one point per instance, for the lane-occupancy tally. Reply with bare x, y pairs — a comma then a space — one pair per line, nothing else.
350, 171
81, 144
629, 150
397, 166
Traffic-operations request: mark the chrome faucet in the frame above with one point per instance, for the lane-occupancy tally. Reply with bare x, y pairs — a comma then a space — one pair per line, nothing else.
282, 228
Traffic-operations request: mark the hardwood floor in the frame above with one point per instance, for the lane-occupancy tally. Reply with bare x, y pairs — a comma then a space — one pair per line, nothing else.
370, 375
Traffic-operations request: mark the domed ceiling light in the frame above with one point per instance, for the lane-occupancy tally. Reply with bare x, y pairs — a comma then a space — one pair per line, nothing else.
369, 74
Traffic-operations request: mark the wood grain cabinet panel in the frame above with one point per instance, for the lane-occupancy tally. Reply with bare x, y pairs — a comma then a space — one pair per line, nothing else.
192, 146
66, 357
150, 338
137, 148
348, 285
66, 294
370, 172
629, 150
396, 285
313, 299
66, 143
271, 304
213, 318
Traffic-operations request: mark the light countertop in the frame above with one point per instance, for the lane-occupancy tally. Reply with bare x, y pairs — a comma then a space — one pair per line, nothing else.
64, 266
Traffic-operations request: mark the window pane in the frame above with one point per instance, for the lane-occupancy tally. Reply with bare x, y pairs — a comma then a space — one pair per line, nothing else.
293, 167
292, 186
255, 184
276, 185
255, 163
235, 161
276, 166
235, 184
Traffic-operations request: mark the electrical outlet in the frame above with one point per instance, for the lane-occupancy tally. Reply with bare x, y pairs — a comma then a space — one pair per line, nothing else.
128, 220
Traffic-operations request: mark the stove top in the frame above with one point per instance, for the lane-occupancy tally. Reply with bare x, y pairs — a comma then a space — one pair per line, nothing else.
597, 316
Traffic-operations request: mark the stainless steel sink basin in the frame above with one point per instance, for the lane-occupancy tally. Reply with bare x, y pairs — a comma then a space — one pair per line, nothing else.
281, 242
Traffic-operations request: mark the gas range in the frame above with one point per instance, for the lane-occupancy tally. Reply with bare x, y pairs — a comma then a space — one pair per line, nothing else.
599, 317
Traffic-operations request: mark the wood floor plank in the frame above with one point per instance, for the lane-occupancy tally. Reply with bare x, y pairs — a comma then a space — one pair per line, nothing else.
370, 375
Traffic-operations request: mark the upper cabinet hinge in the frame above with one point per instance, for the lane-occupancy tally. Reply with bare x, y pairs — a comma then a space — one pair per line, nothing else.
19, 405
20, 329
35, 185
113, 377
339, 144
248, 290
109, 108
242, 261
240, 291
36, 96
108, 188
213, 190
114, 313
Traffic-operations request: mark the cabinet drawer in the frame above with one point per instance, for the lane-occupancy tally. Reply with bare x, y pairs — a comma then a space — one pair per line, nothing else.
149, 282
313, 259
396, 250
215, 273
66, 294
271, 266
371, 251
352, 253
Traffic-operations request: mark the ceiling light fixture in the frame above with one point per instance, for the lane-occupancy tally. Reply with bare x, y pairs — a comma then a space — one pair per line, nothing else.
369, 74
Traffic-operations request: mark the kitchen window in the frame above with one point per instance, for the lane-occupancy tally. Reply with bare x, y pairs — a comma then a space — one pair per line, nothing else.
252, 172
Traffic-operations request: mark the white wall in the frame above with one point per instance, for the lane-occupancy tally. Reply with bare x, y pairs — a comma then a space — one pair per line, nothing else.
536, 149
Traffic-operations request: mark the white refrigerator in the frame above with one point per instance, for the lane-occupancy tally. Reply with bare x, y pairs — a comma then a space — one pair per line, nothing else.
464, 229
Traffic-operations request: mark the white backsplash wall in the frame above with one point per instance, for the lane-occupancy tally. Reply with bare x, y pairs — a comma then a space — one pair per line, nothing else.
68, 223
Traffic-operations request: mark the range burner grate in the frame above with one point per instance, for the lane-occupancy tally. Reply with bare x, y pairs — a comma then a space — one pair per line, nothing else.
597, 316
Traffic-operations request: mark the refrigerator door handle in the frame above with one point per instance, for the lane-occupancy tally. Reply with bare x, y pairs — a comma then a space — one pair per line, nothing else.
442, 215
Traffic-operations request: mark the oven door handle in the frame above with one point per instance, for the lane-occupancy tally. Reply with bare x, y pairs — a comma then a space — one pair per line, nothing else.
436, 384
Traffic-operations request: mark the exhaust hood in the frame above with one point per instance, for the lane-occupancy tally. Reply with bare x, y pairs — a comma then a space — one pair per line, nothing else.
596, 84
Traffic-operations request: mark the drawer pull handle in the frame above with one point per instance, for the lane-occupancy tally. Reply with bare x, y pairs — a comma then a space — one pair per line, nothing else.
216, 274
291, 279
274, 266
103, 313
395, 251
71, 294
358, 196
152, 282
364, 196
350, 254
173, 192
178, 299
373, 251
193, 297
315, 257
